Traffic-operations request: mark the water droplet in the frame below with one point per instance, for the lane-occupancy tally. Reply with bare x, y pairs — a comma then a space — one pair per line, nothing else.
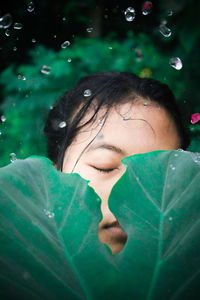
99, 136
33, 40
100, 122
45, 70
129, 14
0, 133
196, 157
89, 30
7, 32
165, 31
145, 104
138, 55
55, 36
172, 167
176, 63
180, 150
170, 218
87, 93
13, 157
146, 8
110, 47
5, 21
175, 154
30, 7
48, 213
51, 107
14, 48
65, 44
126, 118
170, 13
17, 26
3, 118
69, 60
64, 19
23, 78
62, 124
163, 22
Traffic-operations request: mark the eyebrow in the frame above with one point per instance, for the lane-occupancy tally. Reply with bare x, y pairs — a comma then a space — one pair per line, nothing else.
108, 147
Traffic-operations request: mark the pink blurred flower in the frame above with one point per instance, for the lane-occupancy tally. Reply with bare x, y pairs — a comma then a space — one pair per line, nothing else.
195, 118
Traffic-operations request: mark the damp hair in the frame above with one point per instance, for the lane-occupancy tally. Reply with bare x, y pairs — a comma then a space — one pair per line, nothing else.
108, 89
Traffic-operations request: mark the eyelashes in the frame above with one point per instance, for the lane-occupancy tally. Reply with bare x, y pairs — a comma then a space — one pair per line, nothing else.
104, 170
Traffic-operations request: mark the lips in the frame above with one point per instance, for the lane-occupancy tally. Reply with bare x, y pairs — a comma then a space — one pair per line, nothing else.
114, 231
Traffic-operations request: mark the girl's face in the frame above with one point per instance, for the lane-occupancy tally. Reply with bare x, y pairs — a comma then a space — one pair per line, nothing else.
129, 129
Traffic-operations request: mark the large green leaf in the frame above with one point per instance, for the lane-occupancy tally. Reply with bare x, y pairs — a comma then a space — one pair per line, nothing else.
49, 224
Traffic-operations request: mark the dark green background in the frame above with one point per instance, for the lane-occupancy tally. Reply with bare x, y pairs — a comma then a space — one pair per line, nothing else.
25, 103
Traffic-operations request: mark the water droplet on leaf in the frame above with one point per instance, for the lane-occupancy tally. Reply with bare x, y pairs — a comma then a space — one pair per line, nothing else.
110, 47
196, 157
18, 26
176, 63
165, 31
33, 40
170, 13
3, 118
62, 124
65, 44
69, 59
45, 70
129, 14
13, 157
14, 48
5, 21
170, 218
87, 93
146, 8
49, 214
30, 7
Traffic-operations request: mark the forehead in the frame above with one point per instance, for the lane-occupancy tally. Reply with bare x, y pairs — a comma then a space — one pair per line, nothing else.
134, 127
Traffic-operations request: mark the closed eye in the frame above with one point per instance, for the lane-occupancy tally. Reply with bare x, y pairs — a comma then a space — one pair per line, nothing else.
105, 170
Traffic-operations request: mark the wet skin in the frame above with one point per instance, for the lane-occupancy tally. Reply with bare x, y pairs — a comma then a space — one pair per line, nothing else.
129, 129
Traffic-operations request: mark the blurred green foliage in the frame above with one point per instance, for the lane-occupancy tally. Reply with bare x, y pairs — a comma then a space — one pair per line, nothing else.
29, 94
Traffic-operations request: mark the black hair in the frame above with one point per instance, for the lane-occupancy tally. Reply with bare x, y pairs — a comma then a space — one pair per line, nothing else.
108, 88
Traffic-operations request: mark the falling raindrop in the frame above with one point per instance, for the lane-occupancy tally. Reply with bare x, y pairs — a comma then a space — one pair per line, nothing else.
138, 55
87, 93
69, 60
5, 21
89, 30
14, 48
33, 40
65, 44
45, 70
7, 32
176, 63
62, 124
30, 7
146, 8
170, 13
17, 26
48, 213
13, 157
129, 14
3, 118
164, 30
